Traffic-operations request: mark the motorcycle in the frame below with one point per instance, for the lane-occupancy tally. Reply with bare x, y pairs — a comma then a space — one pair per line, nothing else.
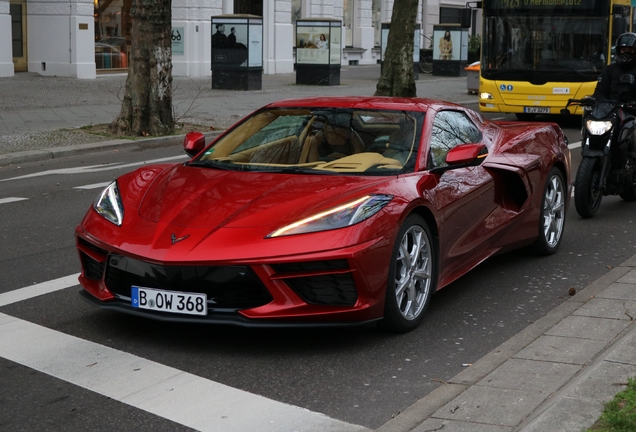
608, 166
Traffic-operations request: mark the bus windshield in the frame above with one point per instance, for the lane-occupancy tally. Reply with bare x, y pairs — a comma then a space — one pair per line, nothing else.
542, 48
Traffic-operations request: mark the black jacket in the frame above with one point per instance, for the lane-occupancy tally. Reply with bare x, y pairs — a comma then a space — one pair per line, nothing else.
611, 84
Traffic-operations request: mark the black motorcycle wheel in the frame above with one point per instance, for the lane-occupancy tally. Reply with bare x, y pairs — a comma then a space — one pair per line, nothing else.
587, 198
629, 191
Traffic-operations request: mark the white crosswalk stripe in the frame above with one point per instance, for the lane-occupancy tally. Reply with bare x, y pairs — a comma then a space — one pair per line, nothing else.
167, 392
11, 199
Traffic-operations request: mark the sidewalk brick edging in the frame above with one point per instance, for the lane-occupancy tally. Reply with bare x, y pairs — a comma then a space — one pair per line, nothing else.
417, 413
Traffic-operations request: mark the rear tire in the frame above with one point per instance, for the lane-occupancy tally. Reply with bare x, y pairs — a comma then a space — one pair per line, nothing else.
552, 219
587, 199
412, 278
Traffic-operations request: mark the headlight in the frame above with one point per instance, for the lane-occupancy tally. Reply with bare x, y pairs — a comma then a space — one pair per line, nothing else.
108, 204
598, 127
486, 96
339, 217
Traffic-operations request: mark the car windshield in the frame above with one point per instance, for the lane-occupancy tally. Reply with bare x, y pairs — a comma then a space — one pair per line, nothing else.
320, 141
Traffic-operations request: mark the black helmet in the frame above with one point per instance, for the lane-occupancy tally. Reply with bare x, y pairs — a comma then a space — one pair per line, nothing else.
625, 40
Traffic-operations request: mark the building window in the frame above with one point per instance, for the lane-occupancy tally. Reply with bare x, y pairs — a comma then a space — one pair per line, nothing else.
112, 33
250, 7
347, 22
296, 14
449, 15
377, 22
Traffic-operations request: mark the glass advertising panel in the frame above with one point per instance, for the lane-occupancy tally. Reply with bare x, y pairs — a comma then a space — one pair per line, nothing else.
312, 43
255, 46
229, 43
237, 42
448, 44
334, 43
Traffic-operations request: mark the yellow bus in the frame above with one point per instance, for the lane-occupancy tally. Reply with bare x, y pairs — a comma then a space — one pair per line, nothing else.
537, 54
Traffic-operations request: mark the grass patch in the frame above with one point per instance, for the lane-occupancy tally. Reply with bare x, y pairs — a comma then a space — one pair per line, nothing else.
620, 413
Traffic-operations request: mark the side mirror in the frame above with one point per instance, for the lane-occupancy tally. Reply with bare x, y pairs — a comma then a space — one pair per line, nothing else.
466, 154
193, 143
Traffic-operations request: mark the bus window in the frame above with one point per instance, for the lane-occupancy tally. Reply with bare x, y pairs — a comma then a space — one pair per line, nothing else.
537, 54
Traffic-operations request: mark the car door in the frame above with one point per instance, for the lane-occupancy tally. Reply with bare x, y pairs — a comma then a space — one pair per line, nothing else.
465, 196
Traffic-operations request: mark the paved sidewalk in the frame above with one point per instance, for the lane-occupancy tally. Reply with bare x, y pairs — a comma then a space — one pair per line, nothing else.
556, 375
41, 117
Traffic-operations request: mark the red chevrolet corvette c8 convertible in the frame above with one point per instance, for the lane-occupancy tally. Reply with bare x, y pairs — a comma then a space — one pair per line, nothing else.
324, 211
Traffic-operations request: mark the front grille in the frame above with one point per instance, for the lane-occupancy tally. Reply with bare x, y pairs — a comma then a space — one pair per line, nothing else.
334, 286
311, 266
329, 289
232, 287
93, 265
92, 269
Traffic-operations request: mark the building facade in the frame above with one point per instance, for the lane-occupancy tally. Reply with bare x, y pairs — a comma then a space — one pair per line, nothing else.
83, 38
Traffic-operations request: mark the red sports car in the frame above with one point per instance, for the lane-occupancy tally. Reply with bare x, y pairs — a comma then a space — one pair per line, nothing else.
324, 211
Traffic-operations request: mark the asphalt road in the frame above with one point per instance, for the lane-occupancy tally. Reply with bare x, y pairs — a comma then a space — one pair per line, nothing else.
362, 376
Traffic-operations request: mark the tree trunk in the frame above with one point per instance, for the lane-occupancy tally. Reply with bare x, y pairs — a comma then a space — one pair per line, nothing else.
397, 77
147, 105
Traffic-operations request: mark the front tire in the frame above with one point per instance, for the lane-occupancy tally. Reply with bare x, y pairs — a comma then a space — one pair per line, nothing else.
552, 219
587, 198
412, 276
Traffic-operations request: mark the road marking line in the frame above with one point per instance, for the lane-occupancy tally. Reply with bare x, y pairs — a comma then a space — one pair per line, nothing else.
94, 168
574, 145
94, 186
38, 289
167, 392
11, 199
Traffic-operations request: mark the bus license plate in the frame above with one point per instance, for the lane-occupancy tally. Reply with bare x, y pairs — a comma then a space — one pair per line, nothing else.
169, 301
536, 110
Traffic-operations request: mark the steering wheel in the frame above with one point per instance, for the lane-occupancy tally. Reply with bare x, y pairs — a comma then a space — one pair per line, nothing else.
380, 147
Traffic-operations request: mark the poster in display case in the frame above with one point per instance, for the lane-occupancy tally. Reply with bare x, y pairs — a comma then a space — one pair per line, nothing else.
237, 52
450, 50
318, 51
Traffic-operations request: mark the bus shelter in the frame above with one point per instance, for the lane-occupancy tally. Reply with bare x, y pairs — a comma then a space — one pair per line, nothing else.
318, 51
237, 52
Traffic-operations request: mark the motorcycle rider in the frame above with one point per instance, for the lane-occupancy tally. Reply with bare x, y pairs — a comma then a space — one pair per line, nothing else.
617, 80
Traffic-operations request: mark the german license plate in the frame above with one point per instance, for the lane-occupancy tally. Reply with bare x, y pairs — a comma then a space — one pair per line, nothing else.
169, 301
536, 110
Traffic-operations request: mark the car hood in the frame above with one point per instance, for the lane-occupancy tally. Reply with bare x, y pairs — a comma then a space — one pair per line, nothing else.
202, 197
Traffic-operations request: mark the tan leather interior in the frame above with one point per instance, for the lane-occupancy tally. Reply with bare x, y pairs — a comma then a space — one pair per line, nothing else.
282, 151
334, 140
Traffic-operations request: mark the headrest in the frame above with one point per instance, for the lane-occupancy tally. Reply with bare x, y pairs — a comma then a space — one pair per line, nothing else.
337, 136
